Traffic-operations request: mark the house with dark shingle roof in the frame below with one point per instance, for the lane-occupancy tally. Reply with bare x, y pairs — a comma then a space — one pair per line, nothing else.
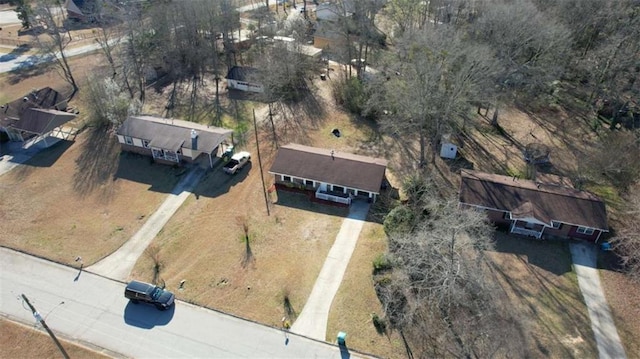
38, 114
332, 175
170, 141
535, 208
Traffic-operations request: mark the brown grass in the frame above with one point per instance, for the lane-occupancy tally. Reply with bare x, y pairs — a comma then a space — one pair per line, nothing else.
539, 281
21, 341
49, 210
622, 295
356, 301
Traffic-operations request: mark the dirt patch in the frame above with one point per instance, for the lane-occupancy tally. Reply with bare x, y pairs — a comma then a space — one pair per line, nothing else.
20, 341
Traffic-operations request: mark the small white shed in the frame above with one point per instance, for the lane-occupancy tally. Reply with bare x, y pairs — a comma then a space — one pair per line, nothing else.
448, 150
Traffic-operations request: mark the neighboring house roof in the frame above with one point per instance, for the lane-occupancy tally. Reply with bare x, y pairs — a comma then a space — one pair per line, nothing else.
242, 73
73, 8
171, 134
328, 31
318, 164
528, 199
46, 98
39, 121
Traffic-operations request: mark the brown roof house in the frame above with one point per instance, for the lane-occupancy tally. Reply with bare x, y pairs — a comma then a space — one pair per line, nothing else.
38, 114
535, 208
170, 141
331, 175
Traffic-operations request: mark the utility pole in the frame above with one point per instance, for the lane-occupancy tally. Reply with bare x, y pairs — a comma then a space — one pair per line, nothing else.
273, 126
264, 187
46, 327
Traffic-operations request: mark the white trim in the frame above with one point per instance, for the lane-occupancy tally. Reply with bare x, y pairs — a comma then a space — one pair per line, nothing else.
585, 230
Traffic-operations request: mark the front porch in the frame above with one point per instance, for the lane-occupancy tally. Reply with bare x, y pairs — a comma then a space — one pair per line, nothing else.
527, 229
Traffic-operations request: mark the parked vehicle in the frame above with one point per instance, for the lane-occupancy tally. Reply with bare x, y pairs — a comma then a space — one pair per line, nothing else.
236, 162
138, 292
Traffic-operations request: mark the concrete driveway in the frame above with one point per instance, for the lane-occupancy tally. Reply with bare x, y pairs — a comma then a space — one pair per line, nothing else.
584, 257
312, 321
120, 263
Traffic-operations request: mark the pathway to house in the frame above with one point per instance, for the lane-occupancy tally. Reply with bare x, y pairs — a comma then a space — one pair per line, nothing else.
120, 263
312, 321
604, 329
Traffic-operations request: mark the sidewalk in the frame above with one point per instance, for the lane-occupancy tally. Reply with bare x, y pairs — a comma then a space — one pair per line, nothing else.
119, 264
584, 257
313, 319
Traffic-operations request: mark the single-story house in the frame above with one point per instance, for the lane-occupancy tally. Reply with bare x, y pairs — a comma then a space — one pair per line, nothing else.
535, 208
35, 122
243, 79
332, 175
170, 141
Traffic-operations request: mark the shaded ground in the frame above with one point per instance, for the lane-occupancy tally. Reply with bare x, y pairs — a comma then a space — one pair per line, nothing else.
622, 296
538, 280
44, 213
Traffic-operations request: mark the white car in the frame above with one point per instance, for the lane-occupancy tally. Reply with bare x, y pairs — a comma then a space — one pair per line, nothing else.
236, 162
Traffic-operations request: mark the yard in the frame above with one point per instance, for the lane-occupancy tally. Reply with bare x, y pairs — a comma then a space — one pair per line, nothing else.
62, 204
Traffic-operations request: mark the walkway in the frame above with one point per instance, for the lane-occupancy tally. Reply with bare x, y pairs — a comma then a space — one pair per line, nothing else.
120, 263
604, 329
312, 322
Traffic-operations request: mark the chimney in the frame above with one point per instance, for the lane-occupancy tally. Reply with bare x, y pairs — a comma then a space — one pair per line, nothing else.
194, 139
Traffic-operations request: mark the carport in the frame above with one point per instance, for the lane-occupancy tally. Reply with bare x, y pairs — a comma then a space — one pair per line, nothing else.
39, 122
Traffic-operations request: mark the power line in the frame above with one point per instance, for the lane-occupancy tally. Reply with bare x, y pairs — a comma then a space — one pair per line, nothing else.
46, 327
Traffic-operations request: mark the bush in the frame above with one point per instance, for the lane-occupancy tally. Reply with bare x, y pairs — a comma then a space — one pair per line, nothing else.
379, 323
381, 263
351, 95
400, 220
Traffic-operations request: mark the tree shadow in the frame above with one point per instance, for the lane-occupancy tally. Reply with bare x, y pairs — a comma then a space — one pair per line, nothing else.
302, 201
98, 161
31, 66
15, 52
248, 257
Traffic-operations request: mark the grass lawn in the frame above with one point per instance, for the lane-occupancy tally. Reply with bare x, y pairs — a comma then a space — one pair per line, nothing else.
622, 296
21, 341
356, 301
69, 201
538, 279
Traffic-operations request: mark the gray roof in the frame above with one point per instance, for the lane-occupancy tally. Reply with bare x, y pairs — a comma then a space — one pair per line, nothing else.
529, 199
171, 134
39, 121
342, 169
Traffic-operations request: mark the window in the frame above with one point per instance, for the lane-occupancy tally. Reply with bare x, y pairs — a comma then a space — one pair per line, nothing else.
556, 225
145, 143
338, 189
128, 140
585, 230
308, 183
286, 178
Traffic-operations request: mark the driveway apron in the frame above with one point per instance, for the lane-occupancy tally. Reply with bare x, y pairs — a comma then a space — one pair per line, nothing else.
312, 321
120, 263
604, 329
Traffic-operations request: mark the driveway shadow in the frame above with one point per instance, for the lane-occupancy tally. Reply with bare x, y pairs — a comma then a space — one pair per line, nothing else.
147, 316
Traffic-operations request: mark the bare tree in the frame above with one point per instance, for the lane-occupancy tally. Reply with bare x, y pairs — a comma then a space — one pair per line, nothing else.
107, 104
627, 240
436, 75
56, 39
440, 295
531, 46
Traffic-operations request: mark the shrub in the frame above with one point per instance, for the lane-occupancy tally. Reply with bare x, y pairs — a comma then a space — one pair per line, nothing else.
400, 220
381, 263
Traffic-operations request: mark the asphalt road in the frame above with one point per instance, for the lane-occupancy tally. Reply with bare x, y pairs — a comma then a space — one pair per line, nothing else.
87, 307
